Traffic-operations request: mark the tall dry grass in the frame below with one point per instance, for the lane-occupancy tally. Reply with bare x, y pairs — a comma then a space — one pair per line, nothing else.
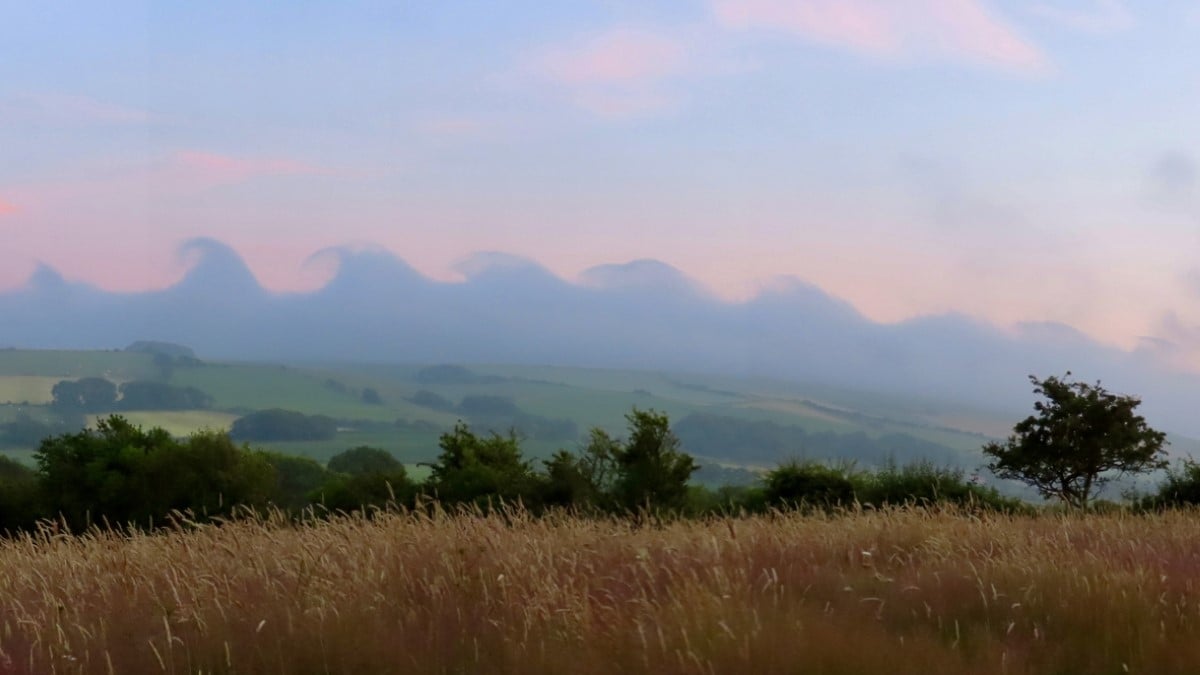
876, 592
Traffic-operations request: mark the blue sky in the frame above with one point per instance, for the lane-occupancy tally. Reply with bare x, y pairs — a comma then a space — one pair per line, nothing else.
1010, 160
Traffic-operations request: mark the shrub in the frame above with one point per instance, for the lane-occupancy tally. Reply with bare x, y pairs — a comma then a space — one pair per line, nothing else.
151, 395
296, 479
808, 483
1181, 488
364, 490
19, 503
283, 425
922, 483
363, 459
127, 475
479, 469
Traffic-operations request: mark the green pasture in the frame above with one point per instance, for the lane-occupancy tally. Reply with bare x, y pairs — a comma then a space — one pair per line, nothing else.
65, 364
27, 389
176, 422
588, 397
257, 387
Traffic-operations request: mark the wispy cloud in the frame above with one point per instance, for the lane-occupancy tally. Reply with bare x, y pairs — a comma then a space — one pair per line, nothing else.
617, 73
69, 109
957, 30
1094, 16
7, 208
209, 167
618, 56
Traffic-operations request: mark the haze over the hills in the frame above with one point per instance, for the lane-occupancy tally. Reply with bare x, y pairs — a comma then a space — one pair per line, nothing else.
1011, 161
642, 314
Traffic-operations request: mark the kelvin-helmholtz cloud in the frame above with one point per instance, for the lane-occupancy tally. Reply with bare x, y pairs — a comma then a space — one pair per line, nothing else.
643, 314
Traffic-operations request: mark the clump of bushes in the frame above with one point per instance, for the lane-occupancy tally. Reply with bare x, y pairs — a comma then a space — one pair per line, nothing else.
365, 477
283, 425
806, 484
1181, 488
797, 484
924, 483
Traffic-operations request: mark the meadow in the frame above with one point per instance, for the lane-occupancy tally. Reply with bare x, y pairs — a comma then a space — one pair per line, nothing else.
586, 397
892, 591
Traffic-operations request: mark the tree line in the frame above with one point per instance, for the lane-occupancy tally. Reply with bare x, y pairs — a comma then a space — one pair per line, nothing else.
119, 474
99, 395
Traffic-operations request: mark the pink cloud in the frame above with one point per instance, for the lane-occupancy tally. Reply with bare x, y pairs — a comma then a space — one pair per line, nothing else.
7, 208
860, 25
964, 30
621, 55
214, 167
620, 73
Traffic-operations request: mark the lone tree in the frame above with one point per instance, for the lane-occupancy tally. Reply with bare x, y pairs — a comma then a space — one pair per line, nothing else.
652, 470
1082, 437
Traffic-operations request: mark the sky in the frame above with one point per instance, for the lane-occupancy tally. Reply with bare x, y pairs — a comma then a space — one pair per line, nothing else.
1011, 160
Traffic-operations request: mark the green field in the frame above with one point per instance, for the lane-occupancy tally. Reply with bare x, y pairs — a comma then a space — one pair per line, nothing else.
26, 389
62, 364
586, 397
177, 422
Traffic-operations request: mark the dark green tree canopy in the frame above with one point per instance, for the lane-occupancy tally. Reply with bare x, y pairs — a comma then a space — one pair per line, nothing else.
125, 474
1081, 437
283, 425
363, 459
151, 395
586, 480
476, 468
652, 471
809, 483
89, 394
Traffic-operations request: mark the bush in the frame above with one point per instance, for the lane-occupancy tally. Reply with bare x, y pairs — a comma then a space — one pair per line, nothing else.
924, 484
283, 425
361, 491
1181, 488
150, 395
724, 501
127, 475
479, 469
19, 503
362, 460
89, 394
296, 479
808, 484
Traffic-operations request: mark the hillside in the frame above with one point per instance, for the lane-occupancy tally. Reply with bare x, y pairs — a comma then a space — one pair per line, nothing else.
404, 408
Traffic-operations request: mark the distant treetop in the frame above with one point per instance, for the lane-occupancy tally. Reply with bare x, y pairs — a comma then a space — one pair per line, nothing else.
166, 348
451, 374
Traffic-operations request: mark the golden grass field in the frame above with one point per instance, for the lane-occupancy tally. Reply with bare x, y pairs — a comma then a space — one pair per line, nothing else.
176, 422
877, 592
31, 389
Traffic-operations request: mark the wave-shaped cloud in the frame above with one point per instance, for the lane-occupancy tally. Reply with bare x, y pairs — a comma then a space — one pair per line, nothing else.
643, 314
